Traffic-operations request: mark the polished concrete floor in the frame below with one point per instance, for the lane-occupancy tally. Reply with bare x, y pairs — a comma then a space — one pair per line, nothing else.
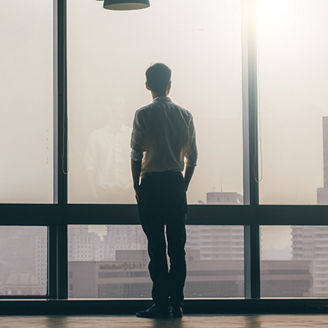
189, 321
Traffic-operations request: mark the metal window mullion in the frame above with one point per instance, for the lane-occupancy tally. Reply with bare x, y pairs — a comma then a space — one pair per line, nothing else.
51, 260
250, 147
51, 256
58, 266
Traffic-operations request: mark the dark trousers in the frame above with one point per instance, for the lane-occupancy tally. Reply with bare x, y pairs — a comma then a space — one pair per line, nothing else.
162, 208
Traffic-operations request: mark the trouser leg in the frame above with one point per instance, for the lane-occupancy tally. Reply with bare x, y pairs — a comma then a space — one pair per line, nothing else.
158, 268
176, 236
163, 202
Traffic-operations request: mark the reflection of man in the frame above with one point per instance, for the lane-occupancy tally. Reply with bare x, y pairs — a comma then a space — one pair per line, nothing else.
164, 133
105, 161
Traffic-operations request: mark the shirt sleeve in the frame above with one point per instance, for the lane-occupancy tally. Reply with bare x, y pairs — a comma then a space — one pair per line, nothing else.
191, 152
137, 138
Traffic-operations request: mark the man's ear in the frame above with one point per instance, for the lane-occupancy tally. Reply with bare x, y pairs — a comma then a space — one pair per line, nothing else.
147, 86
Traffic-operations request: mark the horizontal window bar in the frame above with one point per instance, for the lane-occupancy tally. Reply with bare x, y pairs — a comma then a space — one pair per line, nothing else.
22, 297
43, 214
197, 306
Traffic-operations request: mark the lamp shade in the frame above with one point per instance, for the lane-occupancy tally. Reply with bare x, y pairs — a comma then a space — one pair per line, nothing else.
126, 4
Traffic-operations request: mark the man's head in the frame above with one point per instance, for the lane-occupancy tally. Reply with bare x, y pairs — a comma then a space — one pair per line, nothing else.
158, 79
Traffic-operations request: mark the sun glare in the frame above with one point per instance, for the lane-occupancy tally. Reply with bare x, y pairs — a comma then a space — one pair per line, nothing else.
275, 15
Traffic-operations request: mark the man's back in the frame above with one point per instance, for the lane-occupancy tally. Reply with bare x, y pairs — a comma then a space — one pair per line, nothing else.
165, 132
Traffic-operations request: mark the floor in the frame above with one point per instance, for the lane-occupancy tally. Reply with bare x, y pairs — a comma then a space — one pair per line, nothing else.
189, 321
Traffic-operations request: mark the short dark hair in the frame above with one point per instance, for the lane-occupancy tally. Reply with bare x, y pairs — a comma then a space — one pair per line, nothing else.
158, 77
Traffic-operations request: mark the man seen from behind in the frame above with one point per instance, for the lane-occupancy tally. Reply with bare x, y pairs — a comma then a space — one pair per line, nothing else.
163, 159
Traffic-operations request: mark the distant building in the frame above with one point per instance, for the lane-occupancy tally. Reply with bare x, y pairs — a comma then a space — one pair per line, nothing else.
128, 277
322, 193
41, 258
224, 198
84, 245
311, 242
123, 237
23, 267
22, 283
286, 278
218, 242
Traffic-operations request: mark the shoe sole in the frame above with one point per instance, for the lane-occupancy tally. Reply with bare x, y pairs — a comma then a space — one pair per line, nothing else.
164, 316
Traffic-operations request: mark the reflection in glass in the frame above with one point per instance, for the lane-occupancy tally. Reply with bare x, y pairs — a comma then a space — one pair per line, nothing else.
106, 85
106, 158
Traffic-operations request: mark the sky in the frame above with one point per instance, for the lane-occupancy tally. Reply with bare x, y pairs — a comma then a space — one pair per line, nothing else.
293, 82
108, 53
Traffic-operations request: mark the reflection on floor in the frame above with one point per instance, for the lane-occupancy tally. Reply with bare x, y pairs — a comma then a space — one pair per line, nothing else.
189, 321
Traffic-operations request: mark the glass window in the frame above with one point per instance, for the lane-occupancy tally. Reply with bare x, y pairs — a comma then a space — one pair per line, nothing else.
26, 101
293, 100
112, 261
108, 54
23, 264
294, 261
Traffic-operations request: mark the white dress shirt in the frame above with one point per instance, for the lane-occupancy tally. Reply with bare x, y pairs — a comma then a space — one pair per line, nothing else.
163, 135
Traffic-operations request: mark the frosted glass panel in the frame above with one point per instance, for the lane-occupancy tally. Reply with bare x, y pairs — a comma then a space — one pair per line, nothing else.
108, 54
112, 261
293, 100
24, 266
26, 101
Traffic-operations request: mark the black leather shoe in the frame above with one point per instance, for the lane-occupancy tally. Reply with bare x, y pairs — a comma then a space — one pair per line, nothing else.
154, 312
177, 312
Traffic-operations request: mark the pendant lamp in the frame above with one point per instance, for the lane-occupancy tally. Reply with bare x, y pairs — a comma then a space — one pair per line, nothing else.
126, 4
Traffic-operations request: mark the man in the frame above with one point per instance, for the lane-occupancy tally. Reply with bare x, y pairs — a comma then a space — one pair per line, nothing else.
163, 139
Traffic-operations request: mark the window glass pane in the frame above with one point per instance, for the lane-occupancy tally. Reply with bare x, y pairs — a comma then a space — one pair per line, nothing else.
26, 101
293, 100
23, 260
294, 261
108, 54
112, 261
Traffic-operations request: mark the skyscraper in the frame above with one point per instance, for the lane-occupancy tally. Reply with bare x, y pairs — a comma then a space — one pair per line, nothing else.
218, 242
311, 242
322, 193
84, 245
121, 237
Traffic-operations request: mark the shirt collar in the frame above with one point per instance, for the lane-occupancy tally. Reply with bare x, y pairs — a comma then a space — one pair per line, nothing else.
163, 99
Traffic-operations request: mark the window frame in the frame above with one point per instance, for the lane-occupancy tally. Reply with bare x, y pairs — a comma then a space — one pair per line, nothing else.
251, 215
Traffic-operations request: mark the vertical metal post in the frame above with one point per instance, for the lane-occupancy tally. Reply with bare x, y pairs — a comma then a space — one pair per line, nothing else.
62, 261
250, 146
52, 262
58, 232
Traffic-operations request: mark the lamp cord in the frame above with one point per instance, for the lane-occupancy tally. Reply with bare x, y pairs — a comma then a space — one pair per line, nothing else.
65, 171
259, 121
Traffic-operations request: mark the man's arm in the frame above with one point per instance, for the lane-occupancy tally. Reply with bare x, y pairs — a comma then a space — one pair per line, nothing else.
188, 174
136, 169
137, 146
191, 154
